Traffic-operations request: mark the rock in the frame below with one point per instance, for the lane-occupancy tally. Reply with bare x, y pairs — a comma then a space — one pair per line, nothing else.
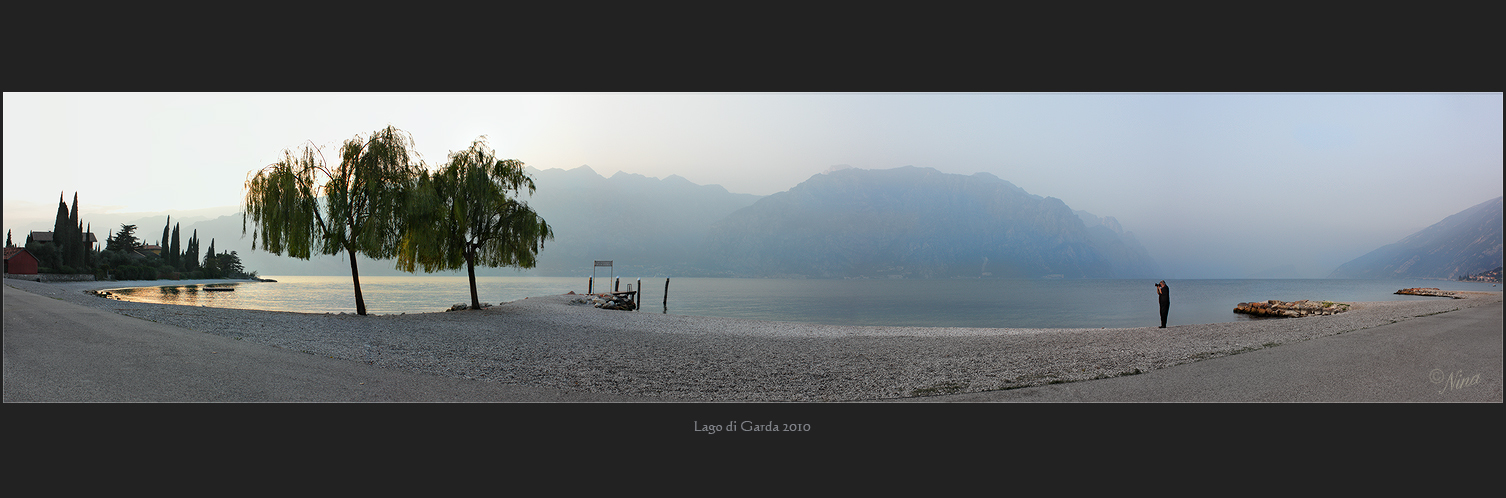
1429, 291
612, 302
1294, 309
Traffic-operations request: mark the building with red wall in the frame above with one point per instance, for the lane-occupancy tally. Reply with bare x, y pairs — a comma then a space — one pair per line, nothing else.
20, 261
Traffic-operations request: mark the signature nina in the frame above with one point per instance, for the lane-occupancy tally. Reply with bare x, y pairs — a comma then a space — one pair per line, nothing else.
1455, 380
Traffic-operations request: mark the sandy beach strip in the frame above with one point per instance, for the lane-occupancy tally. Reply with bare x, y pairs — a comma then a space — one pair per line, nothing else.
556, 342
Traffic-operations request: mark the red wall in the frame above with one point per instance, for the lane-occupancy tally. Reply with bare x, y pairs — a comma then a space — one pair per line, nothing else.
23, 263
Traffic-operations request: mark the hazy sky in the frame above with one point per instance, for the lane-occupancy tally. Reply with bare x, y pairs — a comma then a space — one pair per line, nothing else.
1214, 185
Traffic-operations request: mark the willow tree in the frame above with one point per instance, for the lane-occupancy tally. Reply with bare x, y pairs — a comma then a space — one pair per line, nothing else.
469, 213
301, 206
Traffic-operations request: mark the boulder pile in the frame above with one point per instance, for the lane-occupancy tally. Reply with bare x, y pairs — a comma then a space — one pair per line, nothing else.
611, 302
466, 306
1294, 309
606, 301
1429, 291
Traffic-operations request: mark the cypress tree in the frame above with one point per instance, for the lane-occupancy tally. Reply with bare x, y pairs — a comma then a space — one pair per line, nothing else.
163, 240
210, 269
177, 259
75, 247
191, 254
88, 247
80, 248
59, 228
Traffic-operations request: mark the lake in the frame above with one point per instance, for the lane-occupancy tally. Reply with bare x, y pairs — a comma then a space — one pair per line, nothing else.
1012, 303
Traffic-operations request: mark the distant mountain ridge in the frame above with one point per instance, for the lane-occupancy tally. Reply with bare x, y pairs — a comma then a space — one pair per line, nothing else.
643, 224
1465, 243
905, 222
647, 226
914, 222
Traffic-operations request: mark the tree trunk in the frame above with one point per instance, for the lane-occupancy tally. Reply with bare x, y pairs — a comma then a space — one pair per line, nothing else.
470, 269
355, 277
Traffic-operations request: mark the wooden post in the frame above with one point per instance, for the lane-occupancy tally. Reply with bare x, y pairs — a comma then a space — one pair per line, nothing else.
666, 292
589, 281
594, 266
638, 298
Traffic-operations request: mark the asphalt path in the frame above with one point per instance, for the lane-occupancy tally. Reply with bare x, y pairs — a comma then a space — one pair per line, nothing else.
56, 351
1448, 357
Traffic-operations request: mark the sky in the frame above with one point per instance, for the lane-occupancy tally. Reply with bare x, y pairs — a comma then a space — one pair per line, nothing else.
1214, 185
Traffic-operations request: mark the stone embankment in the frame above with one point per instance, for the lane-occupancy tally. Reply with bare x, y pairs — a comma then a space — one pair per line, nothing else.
1294, 309
1429, 291
53, 277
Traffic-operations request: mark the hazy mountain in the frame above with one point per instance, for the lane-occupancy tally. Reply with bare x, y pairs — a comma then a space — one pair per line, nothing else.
644, 225
149, 225
1283, 271
1465, 243
1130, 259
910, 222
27, 217
223, 224
920, 223
225, 233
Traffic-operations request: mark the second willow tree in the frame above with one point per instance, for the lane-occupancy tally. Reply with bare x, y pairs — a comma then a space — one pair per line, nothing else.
470, 213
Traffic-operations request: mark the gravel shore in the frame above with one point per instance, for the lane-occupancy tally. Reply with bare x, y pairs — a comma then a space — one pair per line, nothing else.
555, 342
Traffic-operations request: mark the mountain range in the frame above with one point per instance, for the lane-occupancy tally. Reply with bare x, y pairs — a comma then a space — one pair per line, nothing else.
914, 222
644, 225
1465, 243
647, 226
906, 222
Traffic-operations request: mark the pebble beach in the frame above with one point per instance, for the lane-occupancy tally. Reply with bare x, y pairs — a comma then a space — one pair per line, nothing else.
561, 342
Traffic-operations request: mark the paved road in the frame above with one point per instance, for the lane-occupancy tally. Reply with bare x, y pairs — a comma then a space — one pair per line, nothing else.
58, 351
1450, 357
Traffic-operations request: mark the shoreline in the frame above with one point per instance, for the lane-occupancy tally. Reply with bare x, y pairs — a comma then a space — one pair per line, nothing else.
546, 341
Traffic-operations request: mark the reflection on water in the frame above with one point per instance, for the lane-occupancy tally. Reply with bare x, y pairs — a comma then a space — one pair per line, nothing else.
930, 303
334, 294
186, 295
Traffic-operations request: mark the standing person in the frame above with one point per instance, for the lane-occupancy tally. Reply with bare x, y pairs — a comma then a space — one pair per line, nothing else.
1163, 292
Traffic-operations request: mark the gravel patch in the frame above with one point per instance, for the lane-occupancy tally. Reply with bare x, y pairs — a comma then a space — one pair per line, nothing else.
557, 342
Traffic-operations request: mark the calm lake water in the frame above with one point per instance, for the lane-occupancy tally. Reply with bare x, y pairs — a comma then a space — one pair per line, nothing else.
928, 303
